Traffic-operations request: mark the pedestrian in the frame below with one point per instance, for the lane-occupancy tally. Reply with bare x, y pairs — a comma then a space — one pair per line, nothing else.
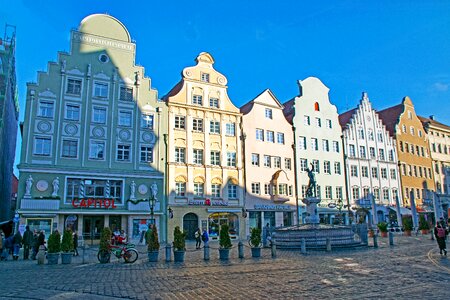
27, 241
198, 238
440, 233
75, 243
17, 244
35, 245
205, 237
41, 239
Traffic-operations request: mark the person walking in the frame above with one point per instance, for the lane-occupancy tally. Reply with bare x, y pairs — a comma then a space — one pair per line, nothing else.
17, 244
205, 237
198, 238
75, 243
41, 239
440, 233
27, 241
35, 245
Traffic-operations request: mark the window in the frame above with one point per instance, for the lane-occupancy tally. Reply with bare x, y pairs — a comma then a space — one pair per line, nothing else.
316, 165
325, 146
214, 102
270, 137
197, 99
381, 154
198, 156
256, 188
198, 189
70, 148
354, 171
420, 172
287, 163
327, 167
232, 191
282, 189
328, 192
97, 150
380, 136
336, 146
319, 191
355, 192
385, 194
214, 127
375, 172
302, 143
391, 155
72, 112
255, 159
230, 129
418, 150
125, 118
372, 153
259, 135
314, 144
376, 194
337, 167
407, 147
360, 133
180, 155
123, 152
277, 162
306, 120
409, 115
197, 125
339, 192
146, 154
267, 161
266, 189
366, 192
99, 115
403, 128
420, 133
303, 164
147, 121
411, 130
94, 188
126, 93
268, 113
74, 86
364, 171
100, 90
412, 148
433, 147
42, 146
352, 151
46, 109
180, 189
362, 151
215, 158
205, 77
215, 190
394, 176
384, 173
401, 147
318, 122
280, 138
328, 123
370, 135
304, 188
180, 122
231, 159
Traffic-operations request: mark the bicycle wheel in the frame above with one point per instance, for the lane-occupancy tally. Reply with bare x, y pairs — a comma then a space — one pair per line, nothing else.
130, 256
103, 256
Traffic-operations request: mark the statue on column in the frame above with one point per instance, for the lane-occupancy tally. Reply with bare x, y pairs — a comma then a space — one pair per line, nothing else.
133, 190
311, 191
28, 185
154, 190
55, 187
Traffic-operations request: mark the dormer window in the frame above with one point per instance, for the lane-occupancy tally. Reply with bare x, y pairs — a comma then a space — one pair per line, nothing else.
205, 77
268, 113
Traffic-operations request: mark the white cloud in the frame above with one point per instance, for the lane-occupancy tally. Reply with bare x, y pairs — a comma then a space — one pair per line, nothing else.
440, 87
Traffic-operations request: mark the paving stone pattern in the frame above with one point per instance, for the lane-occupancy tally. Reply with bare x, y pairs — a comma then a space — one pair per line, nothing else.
411, 269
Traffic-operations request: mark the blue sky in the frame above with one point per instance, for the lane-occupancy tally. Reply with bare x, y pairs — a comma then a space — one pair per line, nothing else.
388, 48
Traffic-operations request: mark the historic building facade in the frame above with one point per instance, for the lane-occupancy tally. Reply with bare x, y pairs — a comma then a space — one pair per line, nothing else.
204, 153
269, 163
370, 159
92, 153
317, 138
9, 118
414, 158
439, 141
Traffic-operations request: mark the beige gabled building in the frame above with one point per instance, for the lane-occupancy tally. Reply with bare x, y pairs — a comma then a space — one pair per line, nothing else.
205, 160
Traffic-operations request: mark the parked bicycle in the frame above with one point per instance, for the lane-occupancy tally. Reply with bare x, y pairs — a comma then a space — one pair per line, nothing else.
127, 251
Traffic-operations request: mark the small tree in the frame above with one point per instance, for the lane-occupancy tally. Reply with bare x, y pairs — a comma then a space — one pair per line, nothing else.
255, 237
105, 239
407, 223
225, 241
382, 226
152, 239
179, 239
423, 224
67, 241
54, 242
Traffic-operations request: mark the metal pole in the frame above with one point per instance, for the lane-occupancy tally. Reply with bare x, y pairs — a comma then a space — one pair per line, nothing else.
168, 252
328, 244
206, 252
391, 238
375, 240
274, 249
241, 249
303, 246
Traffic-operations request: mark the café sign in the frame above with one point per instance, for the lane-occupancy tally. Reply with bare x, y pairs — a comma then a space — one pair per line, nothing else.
93, 203
272, 207
208, 202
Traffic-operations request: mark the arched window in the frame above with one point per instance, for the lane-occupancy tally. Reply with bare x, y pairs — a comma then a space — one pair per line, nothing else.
316, 106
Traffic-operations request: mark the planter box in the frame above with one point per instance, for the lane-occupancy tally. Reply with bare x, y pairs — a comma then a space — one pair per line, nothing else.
256, 252
425, 231
66, 258
224, 254
52, 258
178, 256
384, 234
152, 256
407, 233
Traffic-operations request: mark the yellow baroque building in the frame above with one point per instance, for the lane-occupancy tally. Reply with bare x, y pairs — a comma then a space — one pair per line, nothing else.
205, 160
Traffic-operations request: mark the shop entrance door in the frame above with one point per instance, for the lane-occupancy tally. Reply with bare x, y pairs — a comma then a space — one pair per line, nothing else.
190, 224
92, 226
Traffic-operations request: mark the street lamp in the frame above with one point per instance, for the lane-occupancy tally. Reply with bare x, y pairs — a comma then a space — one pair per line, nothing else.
152, 201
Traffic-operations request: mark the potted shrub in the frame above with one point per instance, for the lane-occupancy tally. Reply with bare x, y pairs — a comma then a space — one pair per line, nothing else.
179, 244
54, 247
104, 255
407, 225
152, 243
255, 242
424, 226
67, 247
224, 242
383, 227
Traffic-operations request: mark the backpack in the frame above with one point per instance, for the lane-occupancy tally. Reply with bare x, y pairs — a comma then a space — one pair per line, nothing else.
440, 232
197, 235
204, 236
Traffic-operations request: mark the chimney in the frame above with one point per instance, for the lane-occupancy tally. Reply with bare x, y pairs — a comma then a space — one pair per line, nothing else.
432, 117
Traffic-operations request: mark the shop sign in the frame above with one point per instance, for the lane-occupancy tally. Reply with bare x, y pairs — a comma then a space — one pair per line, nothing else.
208, 202
272, 207
93, 203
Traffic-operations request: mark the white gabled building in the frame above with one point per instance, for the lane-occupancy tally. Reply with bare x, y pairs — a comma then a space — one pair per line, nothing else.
371, 160
317, 138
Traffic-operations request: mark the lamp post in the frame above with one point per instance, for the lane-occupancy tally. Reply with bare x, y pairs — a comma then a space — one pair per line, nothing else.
151, 202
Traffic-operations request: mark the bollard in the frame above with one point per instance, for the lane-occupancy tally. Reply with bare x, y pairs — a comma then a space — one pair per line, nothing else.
328, 244
206, 251
303, 249
84, 248
391, 238
41, 255
432, 235
241, 249
274, 249
168, 253
375, 241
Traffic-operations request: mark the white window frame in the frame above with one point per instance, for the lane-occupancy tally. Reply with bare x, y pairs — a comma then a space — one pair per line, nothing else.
214, 102
147, 121
268, 113
99, 108
280, 138
259, 134
122, 113
122, 149
145, 153
197, 125
71, 80
76, 148
124, 93
103, 92
43, 110
180, 155
230, 129
197, 156
70, 117
180, 123
215, 158
43, 152
197, 99
91, 149
255, 159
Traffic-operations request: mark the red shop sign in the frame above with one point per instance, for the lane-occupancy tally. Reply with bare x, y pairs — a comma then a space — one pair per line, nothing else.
93, 203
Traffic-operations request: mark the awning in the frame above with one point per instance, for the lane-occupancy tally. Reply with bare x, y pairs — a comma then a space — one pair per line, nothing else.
234, 210
403, 210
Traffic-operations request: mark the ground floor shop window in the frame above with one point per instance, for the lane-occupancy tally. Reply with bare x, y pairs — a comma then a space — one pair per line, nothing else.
140, 227
41, 224
269, 217
255, 219
71, 222
216, 220
287, 218
115, 223
92, 227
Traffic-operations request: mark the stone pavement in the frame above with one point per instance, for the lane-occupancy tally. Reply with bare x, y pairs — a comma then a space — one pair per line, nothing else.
411, 269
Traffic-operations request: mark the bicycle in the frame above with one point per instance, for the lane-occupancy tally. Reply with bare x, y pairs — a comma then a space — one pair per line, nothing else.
127, 251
